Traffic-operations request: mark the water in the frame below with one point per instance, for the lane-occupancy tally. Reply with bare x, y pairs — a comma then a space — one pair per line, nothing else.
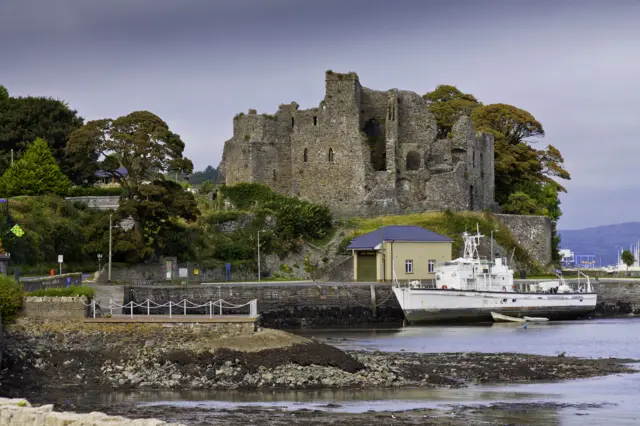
606, 400
608, 338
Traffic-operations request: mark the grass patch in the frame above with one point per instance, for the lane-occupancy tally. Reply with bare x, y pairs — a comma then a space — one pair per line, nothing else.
72, 291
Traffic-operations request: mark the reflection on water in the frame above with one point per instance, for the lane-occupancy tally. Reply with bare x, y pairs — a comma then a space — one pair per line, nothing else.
617, 338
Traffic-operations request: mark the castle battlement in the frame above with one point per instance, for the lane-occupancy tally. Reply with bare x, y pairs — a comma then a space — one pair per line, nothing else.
363, 151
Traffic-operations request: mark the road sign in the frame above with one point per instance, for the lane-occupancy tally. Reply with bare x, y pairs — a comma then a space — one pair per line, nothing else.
183, 272
60, 259
17, 231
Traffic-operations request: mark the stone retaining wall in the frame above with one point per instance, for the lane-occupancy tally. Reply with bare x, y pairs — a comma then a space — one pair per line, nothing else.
100, 202
56, 281
15, 412
54, 307
288, 306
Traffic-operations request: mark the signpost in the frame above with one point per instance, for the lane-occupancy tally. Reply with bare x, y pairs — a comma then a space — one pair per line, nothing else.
60, 261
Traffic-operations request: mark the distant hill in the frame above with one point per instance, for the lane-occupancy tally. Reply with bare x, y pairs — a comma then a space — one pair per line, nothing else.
601, 241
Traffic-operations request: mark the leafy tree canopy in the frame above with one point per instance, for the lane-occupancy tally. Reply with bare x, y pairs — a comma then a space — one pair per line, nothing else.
140, 142
24, 119
36, 173
210, 174
158, 214
448, 104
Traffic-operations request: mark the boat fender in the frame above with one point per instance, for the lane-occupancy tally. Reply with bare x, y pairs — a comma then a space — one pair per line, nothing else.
504, 288
444, 287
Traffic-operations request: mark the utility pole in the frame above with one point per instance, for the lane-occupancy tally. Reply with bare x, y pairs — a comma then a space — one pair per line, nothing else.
384, 272
492, 231
259, 255
110, 227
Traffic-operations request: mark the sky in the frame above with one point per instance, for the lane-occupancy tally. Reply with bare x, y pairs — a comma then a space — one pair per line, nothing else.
575, 65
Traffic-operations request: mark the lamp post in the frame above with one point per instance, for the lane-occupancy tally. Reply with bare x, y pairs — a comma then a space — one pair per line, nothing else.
99, 261
110, 235
492, 231
262, 230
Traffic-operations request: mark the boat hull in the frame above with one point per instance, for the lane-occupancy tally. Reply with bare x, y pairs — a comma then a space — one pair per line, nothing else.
424, 306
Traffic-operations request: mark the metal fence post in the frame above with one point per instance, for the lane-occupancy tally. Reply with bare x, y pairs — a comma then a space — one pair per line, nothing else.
210, 309
131, 303
170, 303
93, 303
185, 307
148, 307
220, 301
111, 307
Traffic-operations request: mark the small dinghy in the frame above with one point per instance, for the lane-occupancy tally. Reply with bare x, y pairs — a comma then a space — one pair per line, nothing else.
505, 318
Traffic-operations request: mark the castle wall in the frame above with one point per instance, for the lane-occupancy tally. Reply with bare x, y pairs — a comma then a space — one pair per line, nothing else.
336, 157
532, 232
363, 151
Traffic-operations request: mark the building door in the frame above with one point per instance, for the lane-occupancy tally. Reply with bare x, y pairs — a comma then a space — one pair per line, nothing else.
367, 266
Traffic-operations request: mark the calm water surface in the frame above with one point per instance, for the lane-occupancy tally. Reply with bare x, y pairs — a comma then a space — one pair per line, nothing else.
617, 397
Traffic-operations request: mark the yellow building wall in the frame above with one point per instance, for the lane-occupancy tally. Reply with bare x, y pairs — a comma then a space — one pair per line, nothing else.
420, 253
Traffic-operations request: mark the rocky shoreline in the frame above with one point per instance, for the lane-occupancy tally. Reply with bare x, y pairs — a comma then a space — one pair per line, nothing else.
42, 356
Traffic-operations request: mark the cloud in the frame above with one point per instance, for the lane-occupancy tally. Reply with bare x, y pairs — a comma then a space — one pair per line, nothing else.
196, 63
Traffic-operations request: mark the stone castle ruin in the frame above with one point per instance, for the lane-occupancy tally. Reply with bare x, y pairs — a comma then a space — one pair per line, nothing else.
363, 151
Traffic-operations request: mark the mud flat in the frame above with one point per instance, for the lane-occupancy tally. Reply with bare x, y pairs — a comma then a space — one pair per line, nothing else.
44, 357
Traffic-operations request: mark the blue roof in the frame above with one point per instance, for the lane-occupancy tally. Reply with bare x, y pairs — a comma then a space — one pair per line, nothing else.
396, 233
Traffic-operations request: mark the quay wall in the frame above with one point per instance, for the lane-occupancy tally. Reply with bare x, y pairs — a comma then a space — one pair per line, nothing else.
52, 308
285, 305
55, 281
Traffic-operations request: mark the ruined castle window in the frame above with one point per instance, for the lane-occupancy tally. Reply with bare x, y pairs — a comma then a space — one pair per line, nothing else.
377, 144
275, 175
474, 159
292, 122
481, 166
315, 120
306, 155
331, 155
413, 160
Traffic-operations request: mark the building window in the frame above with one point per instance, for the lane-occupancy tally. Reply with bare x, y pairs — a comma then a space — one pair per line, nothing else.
408, 266
306, 155
315, 120
331, 155
432, 266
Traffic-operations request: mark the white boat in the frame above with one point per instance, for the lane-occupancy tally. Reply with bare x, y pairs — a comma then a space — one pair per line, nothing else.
505, 318
469, 289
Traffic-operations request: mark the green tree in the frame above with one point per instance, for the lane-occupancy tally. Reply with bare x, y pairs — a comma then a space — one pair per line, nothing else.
140, 142
24, 119
36, 173
158, 214
210, 174
448, 104
627, 258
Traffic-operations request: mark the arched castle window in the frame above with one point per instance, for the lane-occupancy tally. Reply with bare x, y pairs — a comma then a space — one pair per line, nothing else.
305, 155
413, 160
331, 155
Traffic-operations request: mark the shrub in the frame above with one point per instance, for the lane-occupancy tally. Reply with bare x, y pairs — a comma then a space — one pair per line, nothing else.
10, 297
96, 191
72, 291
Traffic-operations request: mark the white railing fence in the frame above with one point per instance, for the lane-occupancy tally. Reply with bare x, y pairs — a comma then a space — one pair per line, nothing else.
214, 308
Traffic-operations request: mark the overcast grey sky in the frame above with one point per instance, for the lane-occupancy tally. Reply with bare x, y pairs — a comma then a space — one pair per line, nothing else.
575, 65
